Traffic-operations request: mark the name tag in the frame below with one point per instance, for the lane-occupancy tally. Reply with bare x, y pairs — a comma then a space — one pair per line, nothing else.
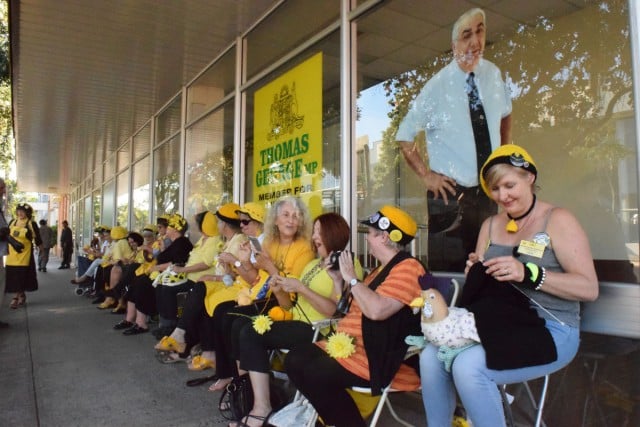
530, 248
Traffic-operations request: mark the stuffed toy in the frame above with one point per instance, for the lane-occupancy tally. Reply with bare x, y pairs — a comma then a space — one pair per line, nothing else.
451, 329
497, 314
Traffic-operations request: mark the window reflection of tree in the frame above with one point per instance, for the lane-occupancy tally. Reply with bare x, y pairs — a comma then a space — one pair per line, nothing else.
571, 82
166, 193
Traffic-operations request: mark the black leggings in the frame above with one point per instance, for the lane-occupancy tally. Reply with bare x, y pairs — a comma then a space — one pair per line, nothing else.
253, 348
322, 380
228, 319
194, 315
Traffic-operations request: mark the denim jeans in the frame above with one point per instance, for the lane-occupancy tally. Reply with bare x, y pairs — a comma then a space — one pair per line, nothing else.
477, 385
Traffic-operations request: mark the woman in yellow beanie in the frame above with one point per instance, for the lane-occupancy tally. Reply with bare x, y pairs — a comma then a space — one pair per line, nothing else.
120, 250
201, 262
141, 294
538, 253
210, 290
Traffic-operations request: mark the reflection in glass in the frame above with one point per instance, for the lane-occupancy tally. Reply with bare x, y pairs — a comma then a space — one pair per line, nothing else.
109, 203
96, 209
142, 142
123, 156
122, 200
213, 85
88, 220
141, 194
571, 88
166, 181
209, 163
168, 121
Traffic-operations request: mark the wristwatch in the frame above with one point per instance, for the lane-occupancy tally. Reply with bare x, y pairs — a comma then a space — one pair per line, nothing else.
353, 282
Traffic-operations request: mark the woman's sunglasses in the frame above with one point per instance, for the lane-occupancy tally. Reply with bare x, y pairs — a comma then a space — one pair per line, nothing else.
245, 221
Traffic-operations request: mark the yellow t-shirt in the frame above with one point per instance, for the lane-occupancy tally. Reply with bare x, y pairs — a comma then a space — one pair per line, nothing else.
121, 250
205, 251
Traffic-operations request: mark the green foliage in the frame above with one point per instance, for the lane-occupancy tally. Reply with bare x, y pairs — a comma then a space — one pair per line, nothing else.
6, 123
562, 75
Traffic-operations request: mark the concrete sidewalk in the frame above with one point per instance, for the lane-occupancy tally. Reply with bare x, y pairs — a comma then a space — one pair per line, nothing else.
62, 364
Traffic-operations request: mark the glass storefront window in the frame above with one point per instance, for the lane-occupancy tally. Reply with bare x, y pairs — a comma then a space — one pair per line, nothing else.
109, 203
142, 142
96, 209
209, 163
122, 200
109, 166
329, 199
571, 91
213, 85
123, 156
277, 35
88, 220
168, 121
166, 180
141, 194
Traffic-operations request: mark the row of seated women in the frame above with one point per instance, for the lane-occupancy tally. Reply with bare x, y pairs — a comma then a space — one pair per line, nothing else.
293, 270
235, 281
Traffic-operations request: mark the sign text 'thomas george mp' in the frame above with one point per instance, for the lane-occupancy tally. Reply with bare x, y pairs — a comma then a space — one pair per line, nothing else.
287, 157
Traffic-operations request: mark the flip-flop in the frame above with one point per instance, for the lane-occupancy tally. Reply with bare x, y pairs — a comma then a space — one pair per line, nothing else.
168, 343
220, 384
169, 357
199, 363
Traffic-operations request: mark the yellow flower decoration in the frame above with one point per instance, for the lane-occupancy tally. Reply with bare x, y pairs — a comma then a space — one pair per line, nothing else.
340, 345
262, 324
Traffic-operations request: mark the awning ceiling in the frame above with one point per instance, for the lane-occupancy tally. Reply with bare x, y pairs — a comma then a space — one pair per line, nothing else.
88, 73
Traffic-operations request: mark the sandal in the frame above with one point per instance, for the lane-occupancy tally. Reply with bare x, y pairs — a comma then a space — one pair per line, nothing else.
22, 299
220, 384
14, 303
243, 422
169, 357
170, 344
199, 363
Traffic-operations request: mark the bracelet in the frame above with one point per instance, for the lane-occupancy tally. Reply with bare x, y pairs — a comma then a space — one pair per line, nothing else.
543, 276
534, 276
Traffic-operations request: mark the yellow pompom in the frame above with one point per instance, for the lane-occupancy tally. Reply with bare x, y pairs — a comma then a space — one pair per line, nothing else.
512, 227
278, 313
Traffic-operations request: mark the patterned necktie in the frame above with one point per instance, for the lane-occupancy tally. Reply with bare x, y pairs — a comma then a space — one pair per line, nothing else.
478, 122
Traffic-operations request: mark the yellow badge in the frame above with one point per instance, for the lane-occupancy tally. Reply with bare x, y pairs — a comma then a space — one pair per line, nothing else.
530, 248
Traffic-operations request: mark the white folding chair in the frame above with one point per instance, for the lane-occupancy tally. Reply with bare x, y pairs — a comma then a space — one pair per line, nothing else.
538, 405
450, 289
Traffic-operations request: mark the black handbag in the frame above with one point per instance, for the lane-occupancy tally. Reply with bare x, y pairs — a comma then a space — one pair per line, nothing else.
237, 398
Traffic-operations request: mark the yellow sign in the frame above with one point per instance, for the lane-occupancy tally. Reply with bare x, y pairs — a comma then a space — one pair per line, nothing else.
287, 156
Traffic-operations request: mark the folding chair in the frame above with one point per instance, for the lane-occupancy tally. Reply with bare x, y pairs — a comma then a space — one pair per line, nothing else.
449, 288
538, 405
